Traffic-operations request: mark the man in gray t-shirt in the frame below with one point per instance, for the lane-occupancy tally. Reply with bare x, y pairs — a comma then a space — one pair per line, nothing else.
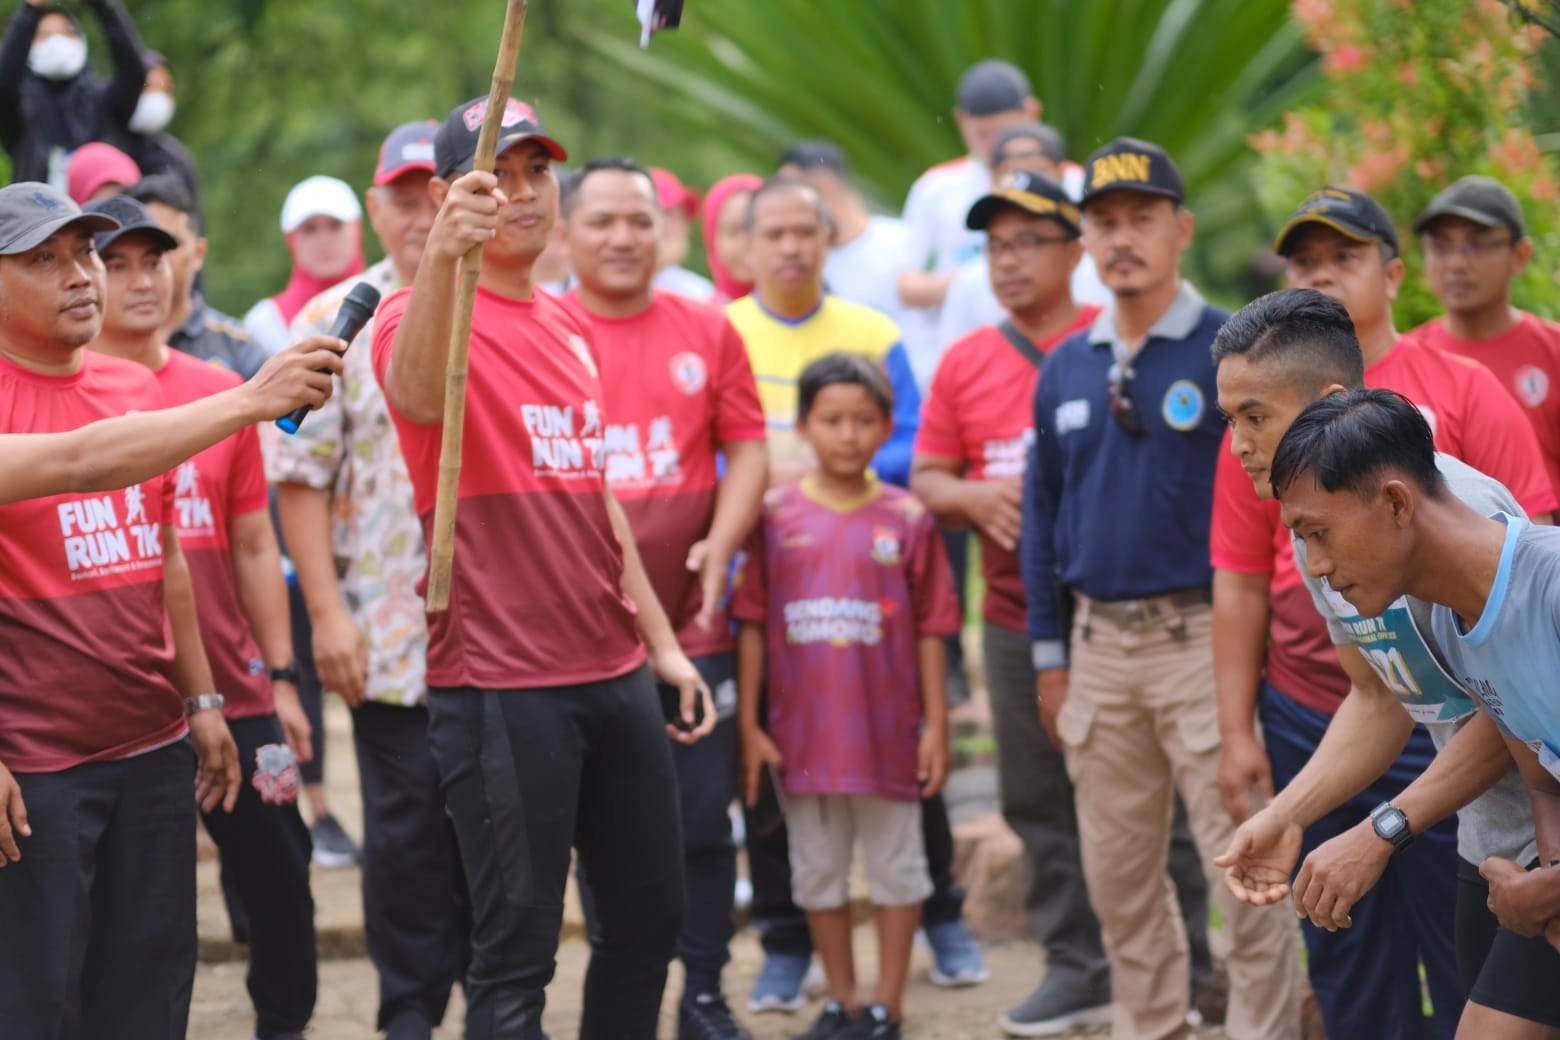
1360, 485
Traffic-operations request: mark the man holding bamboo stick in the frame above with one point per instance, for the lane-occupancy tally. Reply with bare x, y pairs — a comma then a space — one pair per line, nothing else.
543, 717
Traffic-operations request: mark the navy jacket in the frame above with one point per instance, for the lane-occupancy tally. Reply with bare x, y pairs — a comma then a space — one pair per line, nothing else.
1110, 515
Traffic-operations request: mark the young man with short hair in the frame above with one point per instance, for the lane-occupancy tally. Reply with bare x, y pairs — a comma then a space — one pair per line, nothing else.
543, 713
678, 390
1360, 486
1475, 246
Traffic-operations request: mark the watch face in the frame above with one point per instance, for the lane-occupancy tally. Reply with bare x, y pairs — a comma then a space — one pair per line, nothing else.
1391, 824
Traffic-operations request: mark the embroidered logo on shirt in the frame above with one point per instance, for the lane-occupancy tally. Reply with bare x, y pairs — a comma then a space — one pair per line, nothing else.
885, 546
1072, 415
1184, 405
688, 372
1532, 385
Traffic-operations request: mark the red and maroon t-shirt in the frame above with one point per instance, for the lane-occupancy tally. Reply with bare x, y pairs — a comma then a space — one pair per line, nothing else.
845, 591
224, 481
83, 624
677, 385
1525, 359
1472, 418
536, 594
980, 410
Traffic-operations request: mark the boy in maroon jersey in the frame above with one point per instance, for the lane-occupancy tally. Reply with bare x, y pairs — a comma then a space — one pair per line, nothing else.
220, 512
846, 592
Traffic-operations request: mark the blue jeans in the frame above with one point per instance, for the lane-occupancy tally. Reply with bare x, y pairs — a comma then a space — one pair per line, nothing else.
1366, 977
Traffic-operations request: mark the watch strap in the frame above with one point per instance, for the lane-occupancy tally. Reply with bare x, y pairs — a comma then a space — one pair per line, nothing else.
203, 702
286, 673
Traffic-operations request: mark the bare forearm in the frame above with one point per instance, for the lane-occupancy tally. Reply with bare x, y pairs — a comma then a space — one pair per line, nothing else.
262, 591
932, 656
1367, 733
923, 289
1544, 794
750, 671
191, 671
655, 628
306, 524
941, 491
740, 495
1465, 768
1240, 637
420, 353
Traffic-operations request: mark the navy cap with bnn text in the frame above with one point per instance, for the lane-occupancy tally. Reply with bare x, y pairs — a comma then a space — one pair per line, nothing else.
1128, 164
31, 211
1353, 214
455, 145
1029, 192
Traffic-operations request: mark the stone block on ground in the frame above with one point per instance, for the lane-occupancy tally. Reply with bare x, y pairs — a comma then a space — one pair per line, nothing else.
988, 863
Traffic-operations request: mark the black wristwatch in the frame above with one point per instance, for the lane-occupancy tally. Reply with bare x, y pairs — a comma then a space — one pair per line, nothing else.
286, 673
1391, 825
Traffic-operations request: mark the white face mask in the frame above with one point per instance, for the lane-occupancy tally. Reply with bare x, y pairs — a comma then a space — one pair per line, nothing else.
59, 57
152, 112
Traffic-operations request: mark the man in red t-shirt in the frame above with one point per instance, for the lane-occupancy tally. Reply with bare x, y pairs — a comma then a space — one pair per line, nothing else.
97, 839
678, 389
220, 511
976, 428
1475, 245
1273, 656
543, 718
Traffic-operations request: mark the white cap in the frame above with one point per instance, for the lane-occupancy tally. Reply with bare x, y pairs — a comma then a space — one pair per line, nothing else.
319, 197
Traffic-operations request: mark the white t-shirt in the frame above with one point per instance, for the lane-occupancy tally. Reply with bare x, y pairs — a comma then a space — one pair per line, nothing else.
866, 269
265, 326
970, 303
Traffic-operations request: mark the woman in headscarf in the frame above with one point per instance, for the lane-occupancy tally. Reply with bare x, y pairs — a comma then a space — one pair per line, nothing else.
51, 102
725, 235
323, 222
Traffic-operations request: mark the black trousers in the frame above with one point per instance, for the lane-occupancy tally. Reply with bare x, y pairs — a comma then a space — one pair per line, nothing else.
706, 787
526, 774
97, 919
265, 864
310, 693
415, 913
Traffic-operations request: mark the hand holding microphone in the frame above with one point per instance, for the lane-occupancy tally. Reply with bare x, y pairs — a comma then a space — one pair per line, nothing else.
355, 311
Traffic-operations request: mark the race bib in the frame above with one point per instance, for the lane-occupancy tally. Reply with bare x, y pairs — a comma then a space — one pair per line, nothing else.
1398, 654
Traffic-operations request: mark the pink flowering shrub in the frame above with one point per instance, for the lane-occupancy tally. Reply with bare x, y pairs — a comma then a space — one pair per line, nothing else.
1417, 94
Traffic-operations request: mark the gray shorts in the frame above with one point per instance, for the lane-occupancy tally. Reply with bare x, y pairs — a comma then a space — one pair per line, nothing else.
824, 829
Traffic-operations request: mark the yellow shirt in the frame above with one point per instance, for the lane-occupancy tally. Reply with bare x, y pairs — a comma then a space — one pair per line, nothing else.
779, 349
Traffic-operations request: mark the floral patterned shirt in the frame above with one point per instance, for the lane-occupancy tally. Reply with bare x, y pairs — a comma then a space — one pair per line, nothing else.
349, 448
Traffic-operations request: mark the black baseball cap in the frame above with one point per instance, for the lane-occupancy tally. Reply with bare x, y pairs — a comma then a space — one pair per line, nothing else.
31, 211
992, 86
816, 155
406, 148
130, 217
455, 144
1353, 214
1128, 164
1029, 192
1049, 141
1483, 200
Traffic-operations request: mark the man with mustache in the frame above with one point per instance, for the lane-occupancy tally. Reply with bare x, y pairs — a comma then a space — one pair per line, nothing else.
105, 718
1272, 657
1475, 246
344, 497
1117, 494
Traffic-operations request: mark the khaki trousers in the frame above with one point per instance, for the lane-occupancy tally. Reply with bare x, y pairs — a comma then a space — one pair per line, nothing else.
1140, 715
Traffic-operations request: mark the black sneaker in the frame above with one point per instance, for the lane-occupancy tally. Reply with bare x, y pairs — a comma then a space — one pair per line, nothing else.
706, 1016
873, 1024
835, 1021
332, 847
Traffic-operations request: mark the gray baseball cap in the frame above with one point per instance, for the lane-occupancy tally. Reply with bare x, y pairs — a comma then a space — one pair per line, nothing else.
129, 217
1483, 200
992, 86
31, 211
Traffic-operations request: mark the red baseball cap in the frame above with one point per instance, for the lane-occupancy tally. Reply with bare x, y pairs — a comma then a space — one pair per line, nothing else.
95, 164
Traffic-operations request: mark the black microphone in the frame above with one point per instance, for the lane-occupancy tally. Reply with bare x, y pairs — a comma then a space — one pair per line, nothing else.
355, 311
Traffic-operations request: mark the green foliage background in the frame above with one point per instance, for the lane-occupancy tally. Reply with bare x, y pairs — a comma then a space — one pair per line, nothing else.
271, 91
